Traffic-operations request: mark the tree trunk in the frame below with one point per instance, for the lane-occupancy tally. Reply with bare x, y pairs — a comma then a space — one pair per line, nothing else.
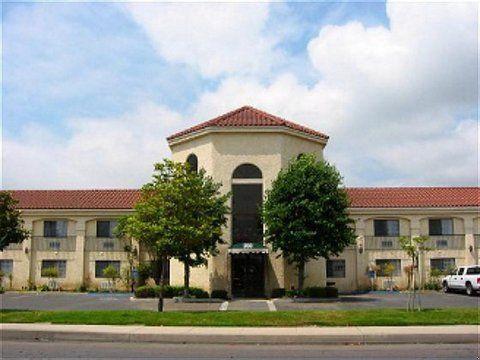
186, 278
301, 275
162, 284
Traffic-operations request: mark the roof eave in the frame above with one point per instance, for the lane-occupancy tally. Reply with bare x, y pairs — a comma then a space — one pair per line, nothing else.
254, 129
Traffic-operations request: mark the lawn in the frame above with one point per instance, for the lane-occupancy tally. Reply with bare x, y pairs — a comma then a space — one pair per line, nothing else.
376, 317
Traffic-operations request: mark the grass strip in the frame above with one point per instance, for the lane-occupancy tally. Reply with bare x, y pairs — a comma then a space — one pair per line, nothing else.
374, 317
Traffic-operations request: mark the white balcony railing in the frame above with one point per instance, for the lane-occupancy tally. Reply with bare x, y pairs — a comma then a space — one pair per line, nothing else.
105, 244
41, 243
446, 242
382, 243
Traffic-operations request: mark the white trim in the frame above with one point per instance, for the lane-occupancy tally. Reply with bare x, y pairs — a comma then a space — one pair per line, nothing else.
247, 129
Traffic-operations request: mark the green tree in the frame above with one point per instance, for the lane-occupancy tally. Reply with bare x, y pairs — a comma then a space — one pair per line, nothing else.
111, 273
305, 213
180, 215
414, 247
11, 224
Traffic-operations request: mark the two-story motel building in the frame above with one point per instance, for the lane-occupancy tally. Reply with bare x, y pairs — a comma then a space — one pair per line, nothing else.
244, 150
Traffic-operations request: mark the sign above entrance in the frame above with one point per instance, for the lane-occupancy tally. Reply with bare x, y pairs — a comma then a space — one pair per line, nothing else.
248, 248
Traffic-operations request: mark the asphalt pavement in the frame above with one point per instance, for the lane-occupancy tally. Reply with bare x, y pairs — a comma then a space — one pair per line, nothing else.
123, 301
77, 350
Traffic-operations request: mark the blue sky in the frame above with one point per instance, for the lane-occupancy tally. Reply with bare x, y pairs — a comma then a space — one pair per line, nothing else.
143, 71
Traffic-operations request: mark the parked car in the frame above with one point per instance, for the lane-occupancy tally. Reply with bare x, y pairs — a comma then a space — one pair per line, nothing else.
465, 278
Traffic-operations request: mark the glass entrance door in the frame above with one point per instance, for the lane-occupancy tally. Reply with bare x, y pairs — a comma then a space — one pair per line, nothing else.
248, 275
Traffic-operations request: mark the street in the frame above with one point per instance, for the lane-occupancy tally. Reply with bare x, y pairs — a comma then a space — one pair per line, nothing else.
72, 350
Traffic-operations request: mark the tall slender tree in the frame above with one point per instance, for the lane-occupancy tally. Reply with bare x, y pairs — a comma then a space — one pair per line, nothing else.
305, 213
11, 224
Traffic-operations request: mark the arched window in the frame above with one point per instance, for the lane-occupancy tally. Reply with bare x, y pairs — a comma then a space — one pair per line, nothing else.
247, 171
192, 162
247, 197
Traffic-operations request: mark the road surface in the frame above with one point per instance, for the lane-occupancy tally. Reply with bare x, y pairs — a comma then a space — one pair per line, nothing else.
73, 350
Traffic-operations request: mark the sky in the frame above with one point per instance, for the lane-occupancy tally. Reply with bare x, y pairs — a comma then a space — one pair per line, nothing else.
90, 90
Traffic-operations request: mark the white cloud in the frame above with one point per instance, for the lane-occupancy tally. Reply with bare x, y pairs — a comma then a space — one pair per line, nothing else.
397, 102
213, 38
105, 152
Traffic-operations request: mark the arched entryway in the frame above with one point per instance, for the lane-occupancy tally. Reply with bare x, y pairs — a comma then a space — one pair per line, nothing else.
247, 250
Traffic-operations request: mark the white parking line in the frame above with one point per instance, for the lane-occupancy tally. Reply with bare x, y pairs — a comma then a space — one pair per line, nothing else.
271, 305
223, 306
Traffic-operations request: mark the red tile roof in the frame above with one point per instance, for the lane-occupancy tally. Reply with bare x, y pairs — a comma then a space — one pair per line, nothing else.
411, 197
400, 197
248, 116
76, 199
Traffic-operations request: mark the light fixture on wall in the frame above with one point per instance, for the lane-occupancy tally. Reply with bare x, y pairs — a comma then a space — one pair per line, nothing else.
26, 250
470, 248
360, 249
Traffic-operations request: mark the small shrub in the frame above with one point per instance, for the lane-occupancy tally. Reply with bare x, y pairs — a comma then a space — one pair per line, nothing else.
169, 291
50, 272
331, 292
432, 285
44, 287
315, 292
219, 294
295, 293
278, 293
144, 273
2, 289
146, 291
81, 288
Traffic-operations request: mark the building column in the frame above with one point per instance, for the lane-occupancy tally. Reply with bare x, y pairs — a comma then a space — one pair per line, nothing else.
470, 253
361, 256
79, 262
28, 263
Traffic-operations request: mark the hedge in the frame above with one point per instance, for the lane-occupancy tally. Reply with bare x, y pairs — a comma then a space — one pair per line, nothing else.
314, 292
169, 291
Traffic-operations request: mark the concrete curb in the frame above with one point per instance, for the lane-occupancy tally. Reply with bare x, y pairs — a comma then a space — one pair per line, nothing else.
461, 334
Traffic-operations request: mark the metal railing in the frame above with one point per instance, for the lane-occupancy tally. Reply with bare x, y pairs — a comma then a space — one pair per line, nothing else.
93, 243
382, 243
41, 243
446, 242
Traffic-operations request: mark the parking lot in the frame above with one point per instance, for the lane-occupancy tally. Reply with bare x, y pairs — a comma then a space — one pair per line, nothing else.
123, 301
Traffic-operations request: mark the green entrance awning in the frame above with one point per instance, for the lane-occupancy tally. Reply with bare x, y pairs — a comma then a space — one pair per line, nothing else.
248, 248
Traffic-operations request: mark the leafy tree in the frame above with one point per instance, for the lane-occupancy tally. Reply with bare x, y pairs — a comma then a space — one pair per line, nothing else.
111, 273
414, 246
389, 270
180, 215
11, 224
305, 213
127, 273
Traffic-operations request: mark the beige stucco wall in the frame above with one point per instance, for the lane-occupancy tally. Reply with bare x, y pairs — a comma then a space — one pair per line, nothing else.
220, 154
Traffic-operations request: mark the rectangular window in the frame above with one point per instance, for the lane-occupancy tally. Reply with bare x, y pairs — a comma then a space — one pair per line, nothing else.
440, 227
386, 227
103, 264
335, 268
247, 224
442, 264
384, 264
60, 265
56, 228
105, 228
6, 266
473, 271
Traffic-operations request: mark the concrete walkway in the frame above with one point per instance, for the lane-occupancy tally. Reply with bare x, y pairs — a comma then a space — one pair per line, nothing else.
237, 335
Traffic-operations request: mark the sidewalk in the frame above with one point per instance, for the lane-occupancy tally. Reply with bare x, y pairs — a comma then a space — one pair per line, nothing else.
236, 335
